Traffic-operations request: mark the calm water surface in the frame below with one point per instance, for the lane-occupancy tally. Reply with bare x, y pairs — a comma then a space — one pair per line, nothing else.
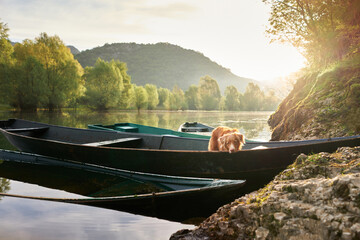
33, 219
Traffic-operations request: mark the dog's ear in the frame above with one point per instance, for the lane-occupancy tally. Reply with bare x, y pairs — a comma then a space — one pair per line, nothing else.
241, 137
222, 140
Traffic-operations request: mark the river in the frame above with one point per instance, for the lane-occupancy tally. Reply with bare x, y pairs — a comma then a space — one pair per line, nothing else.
34, 219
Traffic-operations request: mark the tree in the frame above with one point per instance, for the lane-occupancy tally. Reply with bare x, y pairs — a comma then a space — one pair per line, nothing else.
324, 31
6, 48
128, 91
153, 96
232, 101
209, 93
140, 97
63, 74
6, 62
271, 101
164, 98
253, 98
104, 84
177, 98
63, 71
30, 90
192, 97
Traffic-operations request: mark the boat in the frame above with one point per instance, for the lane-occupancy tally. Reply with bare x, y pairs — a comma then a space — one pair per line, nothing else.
195, 127
143, 129
166, 197
257, 163
138, 128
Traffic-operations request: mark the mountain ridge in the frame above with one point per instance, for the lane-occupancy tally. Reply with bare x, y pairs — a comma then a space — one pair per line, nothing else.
164, 65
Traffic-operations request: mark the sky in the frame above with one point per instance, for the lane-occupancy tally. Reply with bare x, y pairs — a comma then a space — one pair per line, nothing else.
229, 32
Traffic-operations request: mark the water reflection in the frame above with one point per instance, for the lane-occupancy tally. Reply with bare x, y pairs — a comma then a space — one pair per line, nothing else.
4, 184
32, 219
252, 124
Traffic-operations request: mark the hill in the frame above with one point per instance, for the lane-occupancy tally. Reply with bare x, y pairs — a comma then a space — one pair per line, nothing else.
73, 50
163, 64
324, 103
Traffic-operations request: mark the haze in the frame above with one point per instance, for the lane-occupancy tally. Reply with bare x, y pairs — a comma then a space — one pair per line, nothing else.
229, 32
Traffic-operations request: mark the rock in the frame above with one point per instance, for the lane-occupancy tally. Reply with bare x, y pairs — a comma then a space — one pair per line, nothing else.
279, 216
261, 233
317, 197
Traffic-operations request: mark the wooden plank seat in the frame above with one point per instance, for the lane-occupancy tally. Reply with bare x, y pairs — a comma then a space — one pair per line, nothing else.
121, 142
34, 130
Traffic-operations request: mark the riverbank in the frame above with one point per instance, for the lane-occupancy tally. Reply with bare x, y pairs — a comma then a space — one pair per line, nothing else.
317, 197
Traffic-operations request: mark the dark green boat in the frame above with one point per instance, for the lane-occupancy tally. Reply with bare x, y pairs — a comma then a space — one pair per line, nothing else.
138, 128
143, 129
167, 197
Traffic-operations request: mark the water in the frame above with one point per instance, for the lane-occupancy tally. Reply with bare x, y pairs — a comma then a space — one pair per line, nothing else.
33, 219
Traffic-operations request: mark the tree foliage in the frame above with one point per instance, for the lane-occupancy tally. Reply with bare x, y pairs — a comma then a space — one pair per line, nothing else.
6, 62
232, 100
164, 98
192, 97
325, 31
140, 97
153, 96
209, 93
40, 73
177, 99
6, 48
30, 91
104, 84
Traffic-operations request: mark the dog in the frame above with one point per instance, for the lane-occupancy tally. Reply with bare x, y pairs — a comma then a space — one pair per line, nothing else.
226, 139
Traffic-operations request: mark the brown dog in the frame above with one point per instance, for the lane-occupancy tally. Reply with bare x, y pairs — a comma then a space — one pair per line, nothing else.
226, 140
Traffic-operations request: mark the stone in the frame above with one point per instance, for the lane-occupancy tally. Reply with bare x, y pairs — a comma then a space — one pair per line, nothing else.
279, 216
261, 233
310, 206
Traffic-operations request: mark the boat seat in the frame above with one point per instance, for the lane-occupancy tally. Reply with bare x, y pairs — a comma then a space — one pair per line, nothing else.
35, 129
121, 142
33, 132
127, 129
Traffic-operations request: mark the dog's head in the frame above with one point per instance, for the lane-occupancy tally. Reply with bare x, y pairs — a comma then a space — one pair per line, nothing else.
231, 142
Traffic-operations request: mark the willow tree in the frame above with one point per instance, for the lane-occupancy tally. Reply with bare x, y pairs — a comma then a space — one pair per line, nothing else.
140, 98
209, 93
153, 96
104, 84
62, 73
164, 98
232, 100
127, 90
324, 31
177, 98
192, 97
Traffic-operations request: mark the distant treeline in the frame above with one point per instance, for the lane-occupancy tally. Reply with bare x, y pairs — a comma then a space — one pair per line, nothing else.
44, 74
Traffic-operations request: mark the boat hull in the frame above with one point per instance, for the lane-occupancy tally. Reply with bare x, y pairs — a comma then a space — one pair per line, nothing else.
257, 167
200, 199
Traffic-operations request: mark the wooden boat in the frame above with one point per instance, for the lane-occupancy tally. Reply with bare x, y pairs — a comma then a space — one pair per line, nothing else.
176, 199
194, 127
143, 129
257, 163
138, 128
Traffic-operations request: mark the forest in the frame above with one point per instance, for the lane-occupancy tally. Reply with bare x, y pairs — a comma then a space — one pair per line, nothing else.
43, 74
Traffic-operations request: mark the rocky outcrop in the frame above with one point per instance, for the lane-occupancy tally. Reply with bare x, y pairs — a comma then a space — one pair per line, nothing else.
322, 104
317, 197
